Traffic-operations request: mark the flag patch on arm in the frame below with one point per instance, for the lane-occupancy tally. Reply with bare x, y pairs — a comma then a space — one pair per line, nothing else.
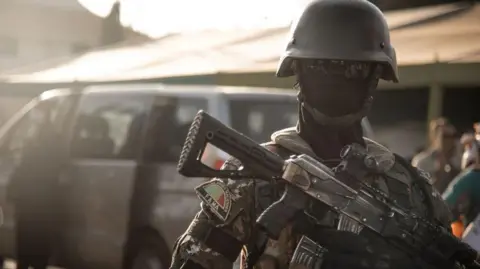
216, 197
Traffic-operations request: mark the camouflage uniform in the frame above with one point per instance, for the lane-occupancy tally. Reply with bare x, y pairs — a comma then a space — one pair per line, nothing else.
230, 208
338, 50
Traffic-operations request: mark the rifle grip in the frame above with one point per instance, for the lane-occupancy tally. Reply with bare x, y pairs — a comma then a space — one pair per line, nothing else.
279, 214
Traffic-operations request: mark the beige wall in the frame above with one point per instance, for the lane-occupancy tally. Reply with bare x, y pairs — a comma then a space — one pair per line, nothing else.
33, 31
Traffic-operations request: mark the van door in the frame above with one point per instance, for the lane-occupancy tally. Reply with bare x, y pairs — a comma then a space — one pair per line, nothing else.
164, 199
15, 134
106, 137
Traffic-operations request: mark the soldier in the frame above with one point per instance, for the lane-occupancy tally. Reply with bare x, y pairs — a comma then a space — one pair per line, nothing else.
338, 50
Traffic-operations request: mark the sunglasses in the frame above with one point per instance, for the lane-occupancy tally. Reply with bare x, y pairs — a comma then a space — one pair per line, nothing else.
348, 69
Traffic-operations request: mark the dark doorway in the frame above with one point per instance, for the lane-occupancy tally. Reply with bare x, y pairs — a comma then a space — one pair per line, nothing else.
395, 106
460, 105
399, 119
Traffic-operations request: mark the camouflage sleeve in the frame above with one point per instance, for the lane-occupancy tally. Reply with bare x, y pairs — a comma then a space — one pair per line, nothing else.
225, 223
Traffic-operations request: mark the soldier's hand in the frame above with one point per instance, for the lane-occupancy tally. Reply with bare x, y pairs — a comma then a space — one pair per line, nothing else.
349, 250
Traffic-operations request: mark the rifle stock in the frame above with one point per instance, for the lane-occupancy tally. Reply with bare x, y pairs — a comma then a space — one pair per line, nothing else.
257, 161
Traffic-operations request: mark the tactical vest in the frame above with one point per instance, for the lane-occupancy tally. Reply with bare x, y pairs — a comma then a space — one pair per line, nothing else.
410, 188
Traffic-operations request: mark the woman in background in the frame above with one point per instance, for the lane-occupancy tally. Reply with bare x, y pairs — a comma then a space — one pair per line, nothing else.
441, 158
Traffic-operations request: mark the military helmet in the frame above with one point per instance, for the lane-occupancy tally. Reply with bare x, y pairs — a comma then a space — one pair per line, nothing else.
348, 30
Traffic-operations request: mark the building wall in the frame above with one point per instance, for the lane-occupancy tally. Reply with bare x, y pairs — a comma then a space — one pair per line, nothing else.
32, 31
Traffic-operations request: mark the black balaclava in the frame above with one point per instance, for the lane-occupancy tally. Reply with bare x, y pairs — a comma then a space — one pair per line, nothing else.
334, 97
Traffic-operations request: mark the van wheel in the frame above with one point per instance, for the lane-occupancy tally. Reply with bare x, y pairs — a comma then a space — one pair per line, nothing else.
147, 258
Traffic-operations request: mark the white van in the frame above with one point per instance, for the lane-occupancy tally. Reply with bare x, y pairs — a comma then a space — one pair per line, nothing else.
124, 202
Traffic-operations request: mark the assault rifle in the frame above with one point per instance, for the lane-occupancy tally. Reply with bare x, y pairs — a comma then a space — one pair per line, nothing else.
342, 190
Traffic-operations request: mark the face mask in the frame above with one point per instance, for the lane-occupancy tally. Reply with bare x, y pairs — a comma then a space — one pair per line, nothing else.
337, 92
334, 96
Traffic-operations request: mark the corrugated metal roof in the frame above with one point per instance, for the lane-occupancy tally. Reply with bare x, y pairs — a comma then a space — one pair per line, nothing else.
443, 40
403, 18
445, 33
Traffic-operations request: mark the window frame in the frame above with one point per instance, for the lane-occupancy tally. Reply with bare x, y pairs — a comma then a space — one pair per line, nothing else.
367, 128
257, 99
82, 98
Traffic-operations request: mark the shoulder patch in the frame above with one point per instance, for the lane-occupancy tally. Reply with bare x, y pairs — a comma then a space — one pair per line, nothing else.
215, 195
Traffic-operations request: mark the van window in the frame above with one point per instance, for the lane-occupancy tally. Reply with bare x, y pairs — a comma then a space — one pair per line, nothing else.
110, 126
259, 118
169, 122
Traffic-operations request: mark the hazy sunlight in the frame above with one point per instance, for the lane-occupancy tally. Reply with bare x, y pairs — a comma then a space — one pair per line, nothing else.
158, 17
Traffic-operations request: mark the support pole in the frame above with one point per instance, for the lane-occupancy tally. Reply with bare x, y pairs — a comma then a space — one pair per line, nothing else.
435, 102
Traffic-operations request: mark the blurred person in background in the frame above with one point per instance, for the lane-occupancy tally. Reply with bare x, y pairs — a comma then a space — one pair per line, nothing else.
476, 128
440, 159
33, 192
432, 128
463, 193
468, 142
417, 151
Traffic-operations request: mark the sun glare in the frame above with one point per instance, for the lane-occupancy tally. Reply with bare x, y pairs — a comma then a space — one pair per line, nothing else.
159, 17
